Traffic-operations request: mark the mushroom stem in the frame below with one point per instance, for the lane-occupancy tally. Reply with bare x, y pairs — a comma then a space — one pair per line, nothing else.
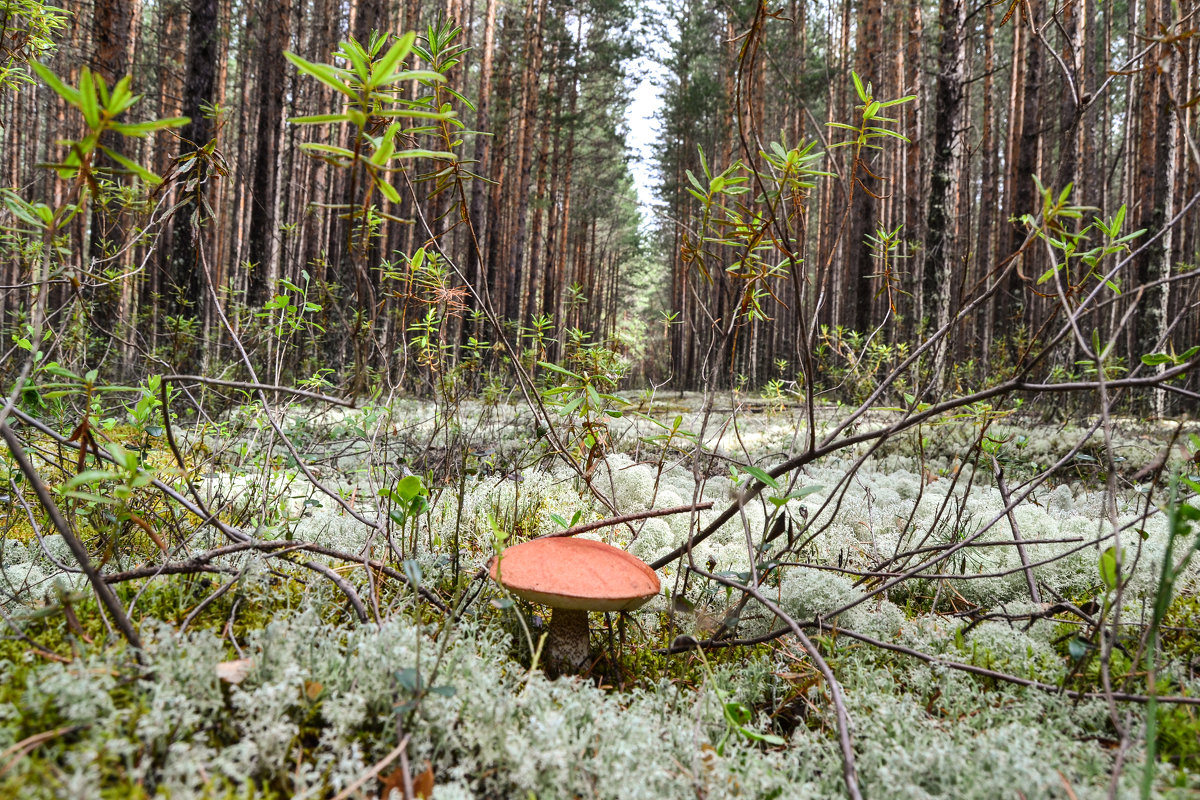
567, 644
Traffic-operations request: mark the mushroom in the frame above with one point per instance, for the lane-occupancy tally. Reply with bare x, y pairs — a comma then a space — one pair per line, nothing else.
573, 576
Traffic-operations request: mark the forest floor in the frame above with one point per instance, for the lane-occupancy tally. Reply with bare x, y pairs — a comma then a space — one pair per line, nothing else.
256, 678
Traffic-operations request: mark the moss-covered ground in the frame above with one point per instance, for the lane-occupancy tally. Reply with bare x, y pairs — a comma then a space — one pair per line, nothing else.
258, 680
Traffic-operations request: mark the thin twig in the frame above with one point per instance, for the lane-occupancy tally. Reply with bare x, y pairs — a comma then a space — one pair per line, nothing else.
342, 584
841, 716
1002, 487
255, 387
379, 766
624, 518
30, 743
241, 538
103, 592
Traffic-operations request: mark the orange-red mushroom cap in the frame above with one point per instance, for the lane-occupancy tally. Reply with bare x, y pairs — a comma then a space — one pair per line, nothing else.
580, 574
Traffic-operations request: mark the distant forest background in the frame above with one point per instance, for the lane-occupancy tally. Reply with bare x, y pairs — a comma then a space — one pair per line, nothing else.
754, 271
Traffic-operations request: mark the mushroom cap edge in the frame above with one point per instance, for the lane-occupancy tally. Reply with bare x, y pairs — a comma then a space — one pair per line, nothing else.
580, 574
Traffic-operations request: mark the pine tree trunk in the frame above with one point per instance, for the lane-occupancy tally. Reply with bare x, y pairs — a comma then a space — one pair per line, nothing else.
859, 266
529, 102
264, 223
198, 90
944, 175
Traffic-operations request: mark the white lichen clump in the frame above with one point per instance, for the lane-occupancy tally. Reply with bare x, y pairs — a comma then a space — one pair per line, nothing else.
323, 701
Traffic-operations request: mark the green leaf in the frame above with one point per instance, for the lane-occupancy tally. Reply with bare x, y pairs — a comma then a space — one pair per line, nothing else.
417, 152
326, 74
1077, 647
799, 494
1108, 568
137, 130
121, 98
20, 208
1048, 274
459, 97
886, 132
388, 190
410, 487
87, 99
67, 93
858, 86
90, 476
412, 570
761, 476
137, 169
384, 67
412, 113
414, 75
570, 407
317, 147
766, 738
557, 368
90, 497
737, 713
408, 679
318, 119
387, 145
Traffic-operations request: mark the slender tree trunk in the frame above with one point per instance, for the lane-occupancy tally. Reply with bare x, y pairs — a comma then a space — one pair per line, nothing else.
529, 102
264, 222
1023, 152
944, 177
198, 91
481, 222
985, 255
859, 263
369, 16
112, 22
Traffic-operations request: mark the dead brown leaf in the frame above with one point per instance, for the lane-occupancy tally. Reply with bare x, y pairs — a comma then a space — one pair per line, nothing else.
423, 783
234, 671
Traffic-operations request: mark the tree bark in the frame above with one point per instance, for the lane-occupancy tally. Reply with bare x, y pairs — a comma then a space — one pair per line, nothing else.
199, 84
944, 176
264, 224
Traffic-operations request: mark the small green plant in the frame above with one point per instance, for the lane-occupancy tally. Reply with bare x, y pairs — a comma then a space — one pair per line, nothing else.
737, 715
1181, 515
100, 107
584, 395
1067, 245
886, 249
407, 500
29, 30
371, 85
871, 126
287, 314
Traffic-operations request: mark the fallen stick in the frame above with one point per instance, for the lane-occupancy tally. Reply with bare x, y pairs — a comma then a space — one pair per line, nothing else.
103, 593
624, 518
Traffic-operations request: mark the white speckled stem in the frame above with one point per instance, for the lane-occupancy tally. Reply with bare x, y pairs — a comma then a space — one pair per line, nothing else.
567, 645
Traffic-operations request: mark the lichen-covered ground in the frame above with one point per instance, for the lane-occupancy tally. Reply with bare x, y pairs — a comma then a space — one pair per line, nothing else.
272, 688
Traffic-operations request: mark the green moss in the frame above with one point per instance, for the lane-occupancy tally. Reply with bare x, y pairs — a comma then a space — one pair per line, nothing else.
1179, 735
